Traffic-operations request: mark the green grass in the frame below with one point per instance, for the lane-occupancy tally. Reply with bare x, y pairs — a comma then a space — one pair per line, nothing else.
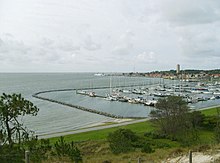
139, 128
206, 136
93, 144
210, 112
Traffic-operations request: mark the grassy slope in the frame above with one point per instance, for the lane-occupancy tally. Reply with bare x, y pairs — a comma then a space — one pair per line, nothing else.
209, 112
95, 148
207, 136
139, 128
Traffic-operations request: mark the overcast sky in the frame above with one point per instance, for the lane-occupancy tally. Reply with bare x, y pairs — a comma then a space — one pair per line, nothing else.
108, 35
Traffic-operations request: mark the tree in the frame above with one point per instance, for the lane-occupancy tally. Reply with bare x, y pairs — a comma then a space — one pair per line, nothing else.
121, 140
12, 107
63, 149
171, 115
217, 128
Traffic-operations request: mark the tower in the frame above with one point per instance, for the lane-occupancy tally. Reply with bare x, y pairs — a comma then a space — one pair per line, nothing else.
177, 68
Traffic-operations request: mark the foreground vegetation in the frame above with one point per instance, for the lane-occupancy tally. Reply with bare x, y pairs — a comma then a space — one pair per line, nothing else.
173, 130
95, 147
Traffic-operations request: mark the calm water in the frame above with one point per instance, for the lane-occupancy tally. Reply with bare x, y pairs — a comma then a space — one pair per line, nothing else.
57, 118
54, 118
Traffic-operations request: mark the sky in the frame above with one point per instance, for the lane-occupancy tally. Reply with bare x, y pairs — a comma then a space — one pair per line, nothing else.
108, 35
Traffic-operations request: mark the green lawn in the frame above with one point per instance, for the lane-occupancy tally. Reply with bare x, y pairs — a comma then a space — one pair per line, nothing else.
139, 128
209, 112
93, 144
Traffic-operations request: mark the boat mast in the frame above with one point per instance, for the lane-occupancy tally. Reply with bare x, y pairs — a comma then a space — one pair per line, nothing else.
110, 85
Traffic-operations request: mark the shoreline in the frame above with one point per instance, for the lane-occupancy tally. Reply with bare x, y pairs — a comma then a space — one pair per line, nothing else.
106, 124
94, 127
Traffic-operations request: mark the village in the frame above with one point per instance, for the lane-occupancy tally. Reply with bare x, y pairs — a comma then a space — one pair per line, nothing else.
187, 75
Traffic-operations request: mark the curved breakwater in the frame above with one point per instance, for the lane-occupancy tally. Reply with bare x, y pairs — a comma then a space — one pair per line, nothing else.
37, 95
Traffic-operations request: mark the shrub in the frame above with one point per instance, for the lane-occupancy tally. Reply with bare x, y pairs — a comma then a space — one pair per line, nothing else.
10, 154
39, 149
121, 141
147, 149
155, 135
63, 149
74, 153
159, 144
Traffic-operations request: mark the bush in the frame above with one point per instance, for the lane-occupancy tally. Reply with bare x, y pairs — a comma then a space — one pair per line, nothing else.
74, 153
147, 149
121, 141
10, 154
161, 145
39, 149
155, 135
210, 122
63, 149
217, 133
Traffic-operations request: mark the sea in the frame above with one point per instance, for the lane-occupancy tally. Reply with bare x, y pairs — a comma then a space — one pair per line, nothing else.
53, 118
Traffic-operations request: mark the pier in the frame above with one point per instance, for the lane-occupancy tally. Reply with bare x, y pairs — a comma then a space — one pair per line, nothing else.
37, 95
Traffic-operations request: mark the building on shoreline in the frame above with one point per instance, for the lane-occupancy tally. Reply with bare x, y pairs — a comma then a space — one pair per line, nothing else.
177, 69
185, 75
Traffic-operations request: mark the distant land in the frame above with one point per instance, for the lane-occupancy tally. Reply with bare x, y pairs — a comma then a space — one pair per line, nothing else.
188, 74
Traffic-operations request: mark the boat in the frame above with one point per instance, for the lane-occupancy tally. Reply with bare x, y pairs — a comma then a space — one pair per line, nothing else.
150, 103
110, 98
81, 92
216, 93
137, 91
99, 74
92, 94
133, 101
212, 98
122, 99
158, 94
126, 91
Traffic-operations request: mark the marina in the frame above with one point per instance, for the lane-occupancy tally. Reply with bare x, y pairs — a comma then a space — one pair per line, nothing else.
140, 94
148, 95
124, 98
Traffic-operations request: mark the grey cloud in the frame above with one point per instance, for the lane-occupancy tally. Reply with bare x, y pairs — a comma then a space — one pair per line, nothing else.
108, 32
125, 44
59, 44
124, 49
12, 50
46, 42
200, 41
45, 51
90, 45
188, 12
146, 57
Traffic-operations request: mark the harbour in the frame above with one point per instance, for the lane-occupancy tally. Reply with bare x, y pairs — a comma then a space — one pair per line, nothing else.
54, 117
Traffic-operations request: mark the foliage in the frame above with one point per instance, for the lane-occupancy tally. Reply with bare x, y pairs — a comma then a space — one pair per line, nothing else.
63, 149
209, 122
196, 118
176, 122
11, 108
9, 154
147, 148
171, 115
139, 128
155, 135
39, 149
217, 128
210, 112
121, 141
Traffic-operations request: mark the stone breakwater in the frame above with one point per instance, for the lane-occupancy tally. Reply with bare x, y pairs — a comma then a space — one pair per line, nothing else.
37, 95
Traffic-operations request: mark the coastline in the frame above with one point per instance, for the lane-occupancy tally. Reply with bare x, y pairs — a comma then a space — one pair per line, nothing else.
106, 124
96, 126
211, 107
